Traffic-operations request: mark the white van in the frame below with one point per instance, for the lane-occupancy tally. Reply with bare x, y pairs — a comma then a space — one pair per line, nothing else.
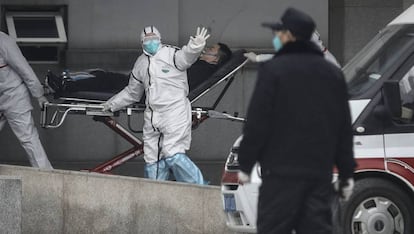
380, 81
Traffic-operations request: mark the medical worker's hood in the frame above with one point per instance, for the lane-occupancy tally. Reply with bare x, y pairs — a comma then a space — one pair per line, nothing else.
150, 29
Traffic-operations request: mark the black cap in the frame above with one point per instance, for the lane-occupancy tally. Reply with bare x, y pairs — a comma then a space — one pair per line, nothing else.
297, 22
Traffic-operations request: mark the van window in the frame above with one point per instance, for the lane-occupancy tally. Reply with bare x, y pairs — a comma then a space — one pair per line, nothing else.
407, 87
378, 57
407, 96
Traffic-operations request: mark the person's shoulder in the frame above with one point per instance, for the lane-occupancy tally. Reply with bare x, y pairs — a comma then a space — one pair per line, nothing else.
170, 47
141, 60
167, 51
334, 67
276, 63
5, 37
143, 56
6, 42
334, 72
271, 68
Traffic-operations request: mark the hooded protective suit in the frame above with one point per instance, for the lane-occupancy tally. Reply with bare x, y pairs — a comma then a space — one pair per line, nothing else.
167, 117
316, 37
16, 79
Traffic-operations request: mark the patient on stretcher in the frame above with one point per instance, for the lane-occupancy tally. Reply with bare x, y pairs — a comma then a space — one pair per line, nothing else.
98, 80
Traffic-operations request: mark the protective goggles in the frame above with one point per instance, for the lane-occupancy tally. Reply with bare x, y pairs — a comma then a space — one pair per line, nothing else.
148, 39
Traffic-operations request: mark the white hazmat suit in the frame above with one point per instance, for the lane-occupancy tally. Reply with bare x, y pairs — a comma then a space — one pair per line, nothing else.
16, 80
316, 37
167, 117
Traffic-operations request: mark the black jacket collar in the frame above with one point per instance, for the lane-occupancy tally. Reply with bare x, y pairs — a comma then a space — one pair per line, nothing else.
307, 47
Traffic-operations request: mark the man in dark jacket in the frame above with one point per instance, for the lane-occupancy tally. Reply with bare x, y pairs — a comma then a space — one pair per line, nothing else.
298, 128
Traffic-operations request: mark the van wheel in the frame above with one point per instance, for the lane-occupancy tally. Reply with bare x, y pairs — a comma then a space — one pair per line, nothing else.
378, 206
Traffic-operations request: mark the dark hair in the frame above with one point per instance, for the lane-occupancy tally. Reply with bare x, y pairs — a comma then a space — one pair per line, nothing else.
224, 54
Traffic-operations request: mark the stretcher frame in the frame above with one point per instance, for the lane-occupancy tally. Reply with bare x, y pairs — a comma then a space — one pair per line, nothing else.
54, 114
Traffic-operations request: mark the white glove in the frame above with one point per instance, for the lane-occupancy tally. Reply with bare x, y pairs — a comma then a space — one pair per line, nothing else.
200, 38
42, 100
344, 189
243, 177
251, 56
106, 106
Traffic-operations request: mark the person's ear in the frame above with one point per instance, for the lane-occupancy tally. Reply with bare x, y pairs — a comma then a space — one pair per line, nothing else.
216, 59
290, 36
283, 36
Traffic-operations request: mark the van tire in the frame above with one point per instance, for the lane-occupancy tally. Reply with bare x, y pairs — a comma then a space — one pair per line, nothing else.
366, 194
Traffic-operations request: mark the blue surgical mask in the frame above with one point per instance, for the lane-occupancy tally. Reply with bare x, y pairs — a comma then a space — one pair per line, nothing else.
277, 43
152, 46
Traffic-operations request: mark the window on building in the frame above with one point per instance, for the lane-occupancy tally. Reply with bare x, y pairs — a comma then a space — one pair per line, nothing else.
39, 31
36, 27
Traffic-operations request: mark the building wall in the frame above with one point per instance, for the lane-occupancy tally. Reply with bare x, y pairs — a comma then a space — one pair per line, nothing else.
116, 24
353, 23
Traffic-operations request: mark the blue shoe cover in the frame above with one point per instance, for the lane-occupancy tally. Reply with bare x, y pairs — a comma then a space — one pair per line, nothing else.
150, 170
184, 169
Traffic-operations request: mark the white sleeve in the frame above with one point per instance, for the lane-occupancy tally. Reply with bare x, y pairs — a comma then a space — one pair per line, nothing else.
186, 56
130, 94
264, 57
329, 56
15, 59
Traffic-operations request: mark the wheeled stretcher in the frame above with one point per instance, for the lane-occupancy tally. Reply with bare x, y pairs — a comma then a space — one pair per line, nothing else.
54, 113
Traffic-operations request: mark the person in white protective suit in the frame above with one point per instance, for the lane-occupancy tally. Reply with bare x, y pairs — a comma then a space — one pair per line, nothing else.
316, 38
160, 72
16, 80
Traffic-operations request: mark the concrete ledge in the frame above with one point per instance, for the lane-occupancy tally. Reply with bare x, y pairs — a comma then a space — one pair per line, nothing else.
10, 204
76, 202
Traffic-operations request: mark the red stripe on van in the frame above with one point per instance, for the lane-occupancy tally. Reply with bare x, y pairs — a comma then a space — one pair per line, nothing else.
370, 164
364, 164
403, 167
